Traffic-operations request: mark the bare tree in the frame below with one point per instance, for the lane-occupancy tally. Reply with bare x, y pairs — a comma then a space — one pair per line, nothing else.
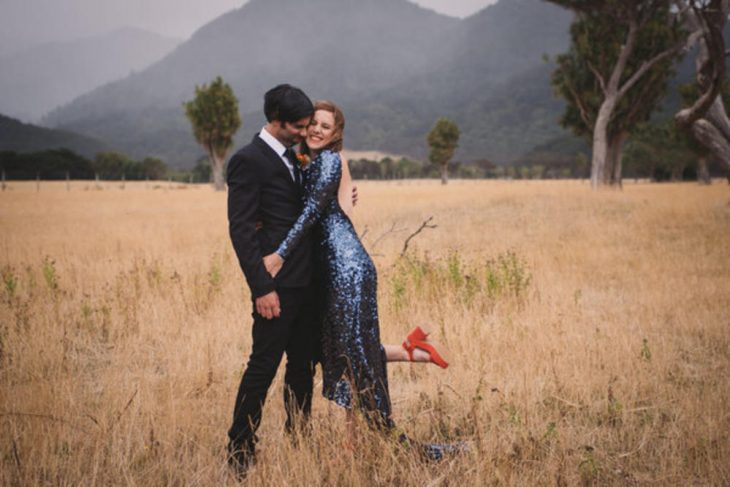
706, 119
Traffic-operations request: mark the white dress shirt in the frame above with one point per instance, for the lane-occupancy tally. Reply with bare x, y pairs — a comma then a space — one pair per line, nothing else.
279, 148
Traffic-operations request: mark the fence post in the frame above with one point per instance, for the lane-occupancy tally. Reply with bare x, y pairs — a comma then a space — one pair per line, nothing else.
124, 179
37, 182
96, 177
68, 181
3, 183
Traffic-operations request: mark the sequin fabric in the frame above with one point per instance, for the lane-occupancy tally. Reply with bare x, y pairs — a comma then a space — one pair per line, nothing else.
352, 355
353, 358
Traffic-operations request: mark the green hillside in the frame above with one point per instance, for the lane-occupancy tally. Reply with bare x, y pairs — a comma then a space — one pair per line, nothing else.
20, 137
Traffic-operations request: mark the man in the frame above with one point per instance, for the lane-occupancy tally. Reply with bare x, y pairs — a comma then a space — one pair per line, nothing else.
264, 202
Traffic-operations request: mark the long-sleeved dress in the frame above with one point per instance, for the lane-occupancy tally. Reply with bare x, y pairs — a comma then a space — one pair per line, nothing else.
352, 355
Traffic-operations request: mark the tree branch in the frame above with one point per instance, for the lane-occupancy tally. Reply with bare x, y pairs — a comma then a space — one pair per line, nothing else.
425, 224
623, 59
647, 65
682, 8
583, 111
711, 61
635, 107
384, 234
598, 76
709, 136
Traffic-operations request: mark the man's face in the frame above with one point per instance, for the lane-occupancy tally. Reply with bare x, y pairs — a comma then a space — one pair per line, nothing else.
291, 133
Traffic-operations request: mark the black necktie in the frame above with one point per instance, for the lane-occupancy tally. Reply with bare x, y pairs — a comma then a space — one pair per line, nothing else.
292, 156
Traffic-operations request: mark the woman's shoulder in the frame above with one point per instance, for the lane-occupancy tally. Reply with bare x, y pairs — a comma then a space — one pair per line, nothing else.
329, 155
329, 159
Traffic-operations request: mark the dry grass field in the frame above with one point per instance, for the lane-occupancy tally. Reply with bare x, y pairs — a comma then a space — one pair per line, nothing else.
589, 332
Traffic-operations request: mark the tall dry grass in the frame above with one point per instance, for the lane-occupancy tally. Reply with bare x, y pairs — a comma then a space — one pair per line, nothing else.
589, 331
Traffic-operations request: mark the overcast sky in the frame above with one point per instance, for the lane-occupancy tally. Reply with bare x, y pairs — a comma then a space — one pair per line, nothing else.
27, 22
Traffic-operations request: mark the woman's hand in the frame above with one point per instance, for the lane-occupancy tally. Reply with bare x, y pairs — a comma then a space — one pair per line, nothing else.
273, 263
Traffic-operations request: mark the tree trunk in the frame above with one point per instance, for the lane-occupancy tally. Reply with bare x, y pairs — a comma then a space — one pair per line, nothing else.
599, 176
612, 91
713, 132
216, 164
703, 172
609, 172
707, 119
614, 167
606, 166
444, 173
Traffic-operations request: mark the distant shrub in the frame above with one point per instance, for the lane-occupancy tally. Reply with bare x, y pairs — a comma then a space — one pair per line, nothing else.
49, 274
451, 279
10, 281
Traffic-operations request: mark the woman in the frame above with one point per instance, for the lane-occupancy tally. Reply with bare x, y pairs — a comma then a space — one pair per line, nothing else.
352, 355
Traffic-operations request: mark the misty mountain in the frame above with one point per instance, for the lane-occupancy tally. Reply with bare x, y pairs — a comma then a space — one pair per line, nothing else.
394, 68
20, 137
36, 80
492, 81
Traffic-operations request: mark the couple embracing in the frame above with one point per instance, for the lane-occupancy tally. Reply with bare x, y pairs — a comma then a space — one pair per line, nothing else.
312, 283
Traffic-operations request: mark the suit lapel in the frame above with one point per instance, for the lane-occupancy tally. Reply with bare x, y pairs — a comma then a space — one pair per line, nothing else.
274, 158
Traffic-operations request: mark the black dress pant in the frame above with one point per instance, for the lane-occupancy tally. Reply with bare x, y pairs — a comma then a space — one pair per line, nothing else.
293, 332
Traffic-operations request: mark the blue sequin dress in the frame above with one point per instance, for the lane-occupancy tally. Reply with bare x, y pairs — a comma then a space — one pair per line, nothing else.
352, 355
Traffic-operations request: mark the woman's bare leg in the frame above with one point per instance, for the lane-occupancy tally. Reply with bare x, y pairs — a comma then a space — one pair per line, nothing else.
396, 353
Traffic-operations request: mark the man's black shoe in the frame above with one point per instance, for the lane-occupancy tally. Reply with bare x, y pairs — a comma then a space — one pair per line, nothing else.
240, 459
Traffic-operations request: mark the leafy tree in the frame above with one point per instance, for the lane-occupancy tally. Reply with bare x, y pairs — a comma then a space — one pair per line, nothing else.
537, 171
60, 163
613, 76
386, 168
498, 172
364, 169
153, 168
112, 165
659, 151
443, 140
50, 164
214, 116
407, 168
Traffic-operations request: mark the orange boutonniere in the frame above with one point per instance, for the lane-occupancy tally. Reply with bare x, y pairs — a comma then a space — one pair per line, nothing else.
304, 160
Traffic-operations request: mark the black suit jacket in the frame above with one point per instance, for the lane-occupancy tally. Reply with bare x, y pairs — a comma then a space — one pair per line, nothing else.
261, 189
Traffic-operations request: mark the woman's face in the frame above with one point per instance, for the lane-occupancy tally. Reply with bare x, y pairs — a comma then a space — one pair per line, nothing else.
321, 130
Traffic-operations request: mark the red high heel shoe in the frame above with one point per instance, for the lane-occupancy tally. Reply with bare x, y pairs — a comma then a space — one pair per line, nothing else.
418, 338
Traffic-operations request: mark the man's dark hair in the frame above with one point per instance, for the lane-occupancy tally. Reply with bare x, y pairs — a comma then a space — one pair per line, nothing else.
287, 104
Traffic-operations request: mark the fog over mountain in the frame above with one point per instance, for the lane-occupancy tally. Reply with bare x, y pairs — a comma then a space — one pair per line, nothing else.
393, 66
39, 79
25, 23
